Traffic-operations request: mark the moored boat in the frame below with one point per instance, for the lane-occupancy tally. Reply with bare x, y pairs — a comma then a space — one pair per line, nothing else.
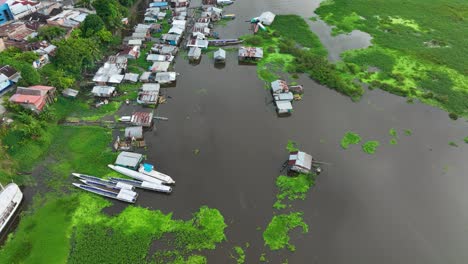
144, 185
102, 182
148, 169
135, 174
121, 195
10, 199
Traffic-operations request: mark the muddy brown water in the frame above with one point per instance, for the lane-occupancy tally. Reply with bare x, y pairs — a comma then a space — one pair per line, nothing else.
404, 204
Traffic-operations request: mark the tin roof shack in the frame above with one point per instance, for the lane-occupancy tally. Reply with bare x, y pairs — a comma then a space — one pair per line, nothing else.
8, 76
164, 49
130, 52
157, 57
194, 54
165, 77
71, 93
129, 160
134, 133
279, 86
171, 39
34, 98
198, 43
103, 91
135, 42
247, 54
160, 5
146, 77
176, 31
149, 94
142, 119
131, 77
160, 66
267, 18
300, 162
283, 107
220, 56
17, 31
111, 71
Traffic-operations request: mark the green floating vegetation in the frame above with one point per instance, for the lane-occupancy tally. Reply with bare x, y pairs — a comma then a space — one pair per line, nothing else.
421, 53
72, 229
392, 132
466, 140
393, 141
262, 258
292, 188
370, 146
408, 132
453, 144
350, 138
240, 259
276, 235
292, 146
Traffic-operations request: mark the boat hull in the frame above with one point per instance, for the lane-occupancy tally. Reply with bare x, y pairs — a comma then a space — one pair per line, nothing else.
10, 199
134, 174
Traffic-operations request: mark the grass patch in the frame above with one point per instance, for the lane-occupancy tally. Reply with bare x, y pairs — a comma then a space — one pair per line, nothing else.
276, 235
453, 144
292, 146
42, 237
292, 188
370, 146
350, 138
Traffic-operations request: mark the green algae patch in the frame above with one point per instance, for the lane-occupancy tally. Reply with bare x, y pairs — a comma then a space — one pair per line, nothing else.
466, 140
370, 146
392, 132
453, 144
292, 188
276, 235
393, 141
350, 138
292, 146
408, 132
240, 255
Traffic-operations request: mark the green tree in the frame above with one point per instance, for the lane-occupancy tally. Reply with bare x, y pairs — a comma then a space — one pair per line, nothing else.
27, 56
50, 32
110, 11
29, 75
91, 25
76, 54
85, 3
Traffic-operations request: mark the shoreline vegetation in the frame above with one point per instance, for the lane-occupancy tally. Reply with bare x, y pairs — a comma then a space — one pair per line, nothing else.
418, 48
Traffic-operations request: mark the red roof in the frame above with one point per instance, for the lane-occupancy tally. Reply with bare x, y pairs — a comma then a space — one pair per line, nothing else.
41, 87
37, 101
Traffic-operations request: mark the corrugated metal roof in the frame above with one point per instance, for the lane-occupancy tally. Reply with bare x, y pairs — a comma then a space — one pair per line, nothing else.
129, 159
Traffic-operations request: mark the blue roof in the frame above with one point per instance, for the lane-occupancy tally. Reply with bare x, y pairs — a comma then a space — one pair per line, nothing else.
158, 4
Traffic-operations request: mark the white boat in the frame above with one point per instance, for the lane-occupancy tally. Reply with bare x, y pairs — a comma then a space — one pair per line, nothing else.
121, 195
135, 174
144, 185
147, 169
101, 182
10, 199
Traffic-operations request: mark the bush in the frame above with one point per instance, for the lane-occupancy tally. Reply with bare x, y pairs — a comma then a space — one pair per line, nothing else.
453, 116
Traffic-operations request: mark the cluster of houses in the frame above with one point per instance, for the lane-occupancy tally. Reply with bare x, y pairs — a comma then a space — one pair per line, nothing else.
283, 95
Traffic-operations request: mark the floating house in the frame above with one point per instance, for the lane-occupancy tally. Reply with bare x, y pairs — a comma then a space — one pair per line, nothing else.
198, 43
220, 56
149, 94
250, 54
34, 98
300, 162
142, 119
129, 160
103, 91
130, 52
284, 97
283, 107
165, 77
145, 77
279, 86
194, 54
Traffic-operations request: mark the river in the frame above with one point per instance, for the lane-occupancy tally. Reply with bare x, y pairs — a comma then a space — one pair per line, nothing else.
404, 204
